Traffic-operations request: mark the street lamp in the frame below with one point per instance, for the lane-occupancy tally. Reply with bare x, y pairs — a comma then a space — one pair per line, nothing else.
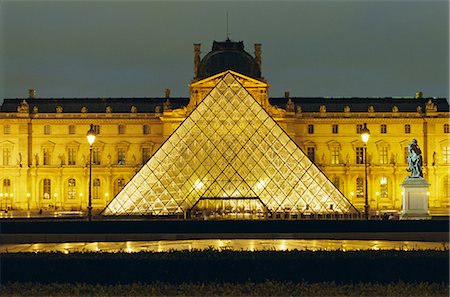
365, 134
90, 139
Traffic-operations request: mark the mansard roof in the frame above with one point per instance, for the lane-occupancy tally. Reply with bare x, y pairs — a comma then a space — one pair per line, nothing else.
148, 105
93, 105
358, 104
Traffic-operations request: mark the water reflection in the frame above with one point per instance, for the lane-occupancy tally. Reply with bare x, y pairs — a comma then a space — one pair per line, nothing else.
224, 244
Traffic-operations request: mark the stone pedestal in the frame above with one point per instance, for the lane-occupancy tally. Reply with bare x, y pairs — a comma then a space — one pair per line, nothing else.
415, 199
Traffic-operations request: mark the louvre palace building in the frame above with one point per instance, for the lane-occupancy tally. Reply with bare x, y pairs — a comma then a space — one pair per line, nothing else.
229, 150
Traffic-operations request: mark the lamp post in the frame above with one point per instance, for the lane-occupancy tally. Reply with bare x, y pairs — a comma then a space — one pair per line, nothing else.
90, 139
365, 134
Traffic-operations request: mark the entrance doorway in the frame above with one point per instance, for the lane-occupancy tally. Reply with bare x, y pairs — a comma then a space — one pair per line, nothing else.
229, 208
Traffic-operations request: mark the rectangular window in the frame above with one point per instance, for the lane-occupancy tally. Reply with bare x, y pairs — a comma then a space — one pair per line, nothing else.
121, 156
384, 156
6, 129
146, 129
145, 154
6, 157
360, 155
46, 156
72, 129
335, 129
96, 156
335, 155
71, 156
96, 129
407, 129
446, 128
121, 129
359, 128
383, 128
446, 154
310, 129
47, 130
311, 153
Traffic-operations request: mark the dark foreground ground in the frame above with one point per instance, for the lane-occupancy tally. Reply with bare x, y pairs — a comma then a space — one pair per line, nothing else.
266, 288
231, 273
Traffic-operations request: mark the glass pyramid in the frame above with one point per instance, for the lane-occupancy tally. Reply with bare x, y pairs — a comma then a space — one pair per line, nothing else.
229, 158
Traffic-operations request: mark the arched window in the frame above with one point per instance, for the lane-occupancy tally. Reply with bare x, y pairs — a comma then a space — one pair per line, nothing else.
446, 185
71, 188
338, 183
118, 185
46, 188
6, 186
96, 188
384, 187
359, 187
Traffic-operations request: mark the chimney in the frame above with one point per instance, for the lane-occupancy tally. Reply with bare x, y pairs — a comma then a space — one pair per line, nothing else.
258, 55
286, 94
196, 58
31, 93
419, 95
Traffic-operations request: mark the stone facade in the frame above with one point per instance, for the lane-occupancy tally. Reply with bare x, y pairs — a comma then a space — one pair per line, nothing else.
45, 154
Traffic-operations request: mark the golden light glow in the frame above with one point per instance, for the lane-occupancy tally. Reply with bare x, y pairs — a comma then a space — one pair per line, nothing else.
230, 159
227, 244
198, 184
365, 133
91, 135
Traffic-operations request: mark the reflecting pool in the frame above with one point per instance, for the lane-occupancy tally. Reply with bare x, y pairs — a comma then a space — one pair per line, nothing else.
224, 244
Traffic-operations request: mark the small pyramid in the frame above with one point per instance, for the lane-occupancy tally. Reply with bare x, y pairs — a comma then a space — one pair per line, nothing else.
229, 155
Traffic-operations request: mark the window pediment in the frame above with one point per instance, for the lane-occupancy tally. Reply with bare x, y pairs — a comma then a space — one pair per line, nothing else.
444, 143
48, 144
7, 144
333, 143
148, 144
382, 143
357, 143
73, 144
123, 144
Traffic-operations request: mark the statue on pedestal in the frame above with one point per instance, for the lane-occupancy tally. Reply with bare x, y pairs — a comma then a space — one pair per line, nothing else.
414, 160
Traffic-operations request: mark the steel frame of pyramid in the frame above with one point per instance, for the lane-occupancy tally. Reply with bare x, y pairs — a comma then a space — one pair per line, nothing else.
229, 156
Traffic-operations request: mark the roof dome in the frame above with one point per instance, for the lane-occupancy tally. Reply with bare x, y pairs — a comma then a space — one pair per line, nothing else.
228, 55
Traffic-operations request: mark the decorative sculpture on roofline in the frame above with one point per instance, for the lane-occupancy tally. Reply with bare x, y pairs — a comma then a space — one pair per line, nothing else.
414, 160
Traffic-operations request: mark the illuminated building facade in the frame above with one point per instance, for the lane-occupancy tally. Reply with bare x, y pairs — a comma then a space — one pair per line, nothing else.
45, 153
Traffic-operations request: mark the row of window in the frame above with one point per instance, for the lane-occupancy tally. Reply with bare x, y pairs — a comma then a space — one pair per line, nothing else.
383, 186
121, 129
71, 188
383, 128
96, 156
383, 153
146, 152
